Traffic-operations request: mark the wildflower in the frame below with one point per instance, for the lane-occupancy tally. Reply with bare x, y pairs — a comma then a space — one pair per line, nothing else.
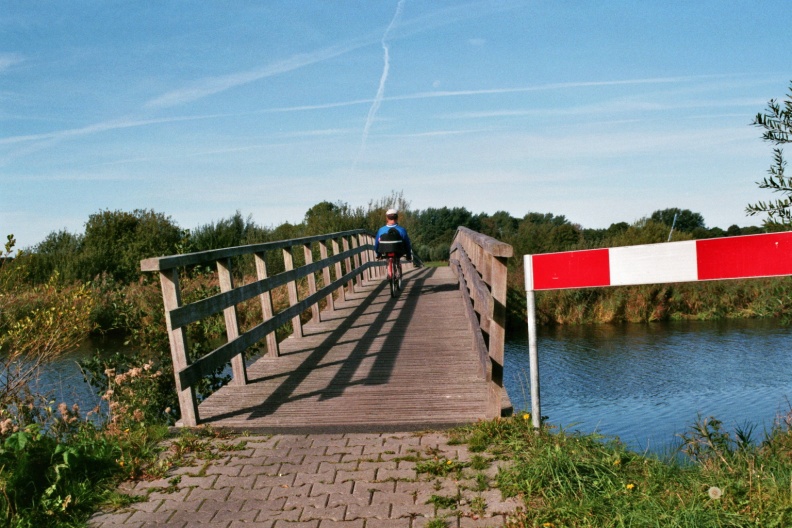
630, 486
526, 416
715, 493
548, 525
167, 410
617, 462
6, 425
449, 462
63, 410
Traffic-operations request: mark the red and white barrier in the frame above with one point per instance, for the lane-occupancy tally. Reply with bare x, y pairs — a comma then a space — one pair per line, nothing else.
766, 255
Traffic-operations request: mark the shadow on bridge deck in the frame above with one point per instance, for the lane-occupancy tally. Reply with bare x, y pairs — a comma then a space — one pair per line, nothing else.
375, 364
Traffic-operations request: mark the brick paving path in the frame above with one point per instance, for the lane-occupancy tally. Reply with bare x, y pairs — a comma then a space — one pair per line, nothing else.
318, 481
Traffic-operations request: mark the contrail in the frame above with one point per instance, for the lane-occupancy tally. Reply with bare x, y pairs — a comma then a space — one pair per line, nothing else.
381, 90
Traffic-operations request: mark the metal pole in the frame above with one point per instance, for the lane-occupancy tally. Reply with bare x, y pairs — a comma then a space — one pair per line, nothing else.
536, 407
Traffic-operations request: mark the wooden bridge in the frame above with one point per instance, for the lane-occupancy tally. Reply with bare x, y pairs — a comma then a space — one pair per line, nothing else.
357, 359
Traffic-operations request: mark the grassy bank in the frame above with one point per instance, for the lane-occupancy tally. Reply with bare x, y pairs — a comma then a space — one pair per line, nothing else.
584, 480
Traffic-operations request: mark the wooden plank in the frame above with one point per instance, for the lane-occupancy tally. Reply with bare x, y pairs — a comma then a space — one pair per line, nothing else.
171, 295
266, 304
213, 255
239, 376
198, 310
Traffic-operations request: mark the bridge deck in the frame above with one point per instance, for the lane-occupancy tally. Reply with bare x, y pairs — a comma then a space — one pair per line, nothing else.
373, 364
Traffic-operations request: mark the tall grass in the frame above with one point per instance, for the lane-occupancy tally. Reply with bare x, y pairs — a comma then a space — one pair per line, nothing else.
586, 480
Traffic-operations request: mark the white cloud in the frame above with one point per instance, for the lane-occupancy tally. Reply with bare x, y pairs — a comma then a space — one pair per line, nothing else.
8, 60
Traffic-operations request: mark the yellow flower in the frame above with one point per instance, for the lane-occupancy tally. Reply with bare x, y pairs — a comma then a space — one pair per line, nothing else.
617, 462
547, 525
449, 462
527, 416
630, 486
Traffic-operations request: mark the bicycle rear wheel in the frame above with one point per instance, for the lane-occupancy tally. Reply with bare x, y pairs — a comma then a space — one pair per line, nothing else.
392, 276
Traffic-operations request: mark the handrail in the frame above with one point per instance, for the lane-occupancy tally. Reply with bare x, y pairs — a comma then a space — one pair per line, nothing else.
354, 250
479, 262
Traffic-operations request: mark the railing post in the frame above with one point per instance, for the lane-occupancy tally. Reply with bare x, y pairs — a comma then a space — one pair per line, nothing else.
171, 296
364, 257
238, 370
288, 264
351, 283
326, 274
266, 305
311, 282
497, 329
356, 259
338, 272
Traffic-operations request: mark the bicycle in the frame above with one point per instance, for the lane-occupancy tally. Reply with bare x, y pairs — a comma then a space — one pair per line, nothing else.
394, 270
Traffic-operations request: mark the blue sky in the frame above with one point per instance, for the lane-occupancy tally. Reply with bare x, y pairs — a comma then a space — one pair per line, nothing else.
599, 111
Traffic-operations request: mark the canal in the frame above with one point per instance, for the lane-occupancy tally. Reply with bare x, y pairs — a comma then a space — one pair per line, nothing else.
647, 383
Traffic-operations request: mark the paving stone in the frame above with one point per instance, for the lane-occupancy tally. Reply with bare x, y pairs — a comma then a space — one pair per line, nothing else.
308, 451
109, 518
367, 487
228, 516
344, 450
231, 471
169, 493
147, 506
389, 523
336, 513
180, 505
192, 517
290, 491
302, 467
395, 474
147, 516
343, 476
257, 460
226, 481
333, 458
405, 509
274, 481
245, 494
199, 482
328, 477
381, 497
329, 440
338, 488
357, 523
349, 464
306, 501
375, 465
252, 524
211, 494
335, 499
285, 515
158, 524
482, 522
368, 511
302, 524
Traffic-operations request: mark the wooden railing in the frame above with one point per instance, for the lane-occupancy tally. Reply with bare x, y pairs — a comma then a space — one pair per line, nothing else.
480, 264
353, 250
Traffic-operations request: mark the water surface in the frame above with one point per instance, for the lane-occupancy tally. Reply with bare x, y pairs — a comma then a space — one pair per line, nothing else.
648, 382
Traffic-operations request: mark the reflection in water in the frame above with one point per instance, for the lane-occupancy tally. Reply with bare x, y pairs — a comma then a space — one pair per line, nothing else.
647, 383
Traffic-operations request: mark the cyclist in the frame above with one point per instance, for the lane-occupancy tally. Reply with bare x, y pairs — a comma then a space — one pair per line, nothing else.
389, 235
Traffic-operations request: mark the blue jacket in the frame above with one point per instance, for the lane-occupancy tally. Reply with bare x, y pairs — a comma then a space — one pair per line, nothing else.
403, 232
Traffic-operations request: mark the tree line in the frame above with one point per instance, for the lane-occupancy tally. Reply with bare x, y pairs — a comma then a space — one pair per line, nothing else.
114, 242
